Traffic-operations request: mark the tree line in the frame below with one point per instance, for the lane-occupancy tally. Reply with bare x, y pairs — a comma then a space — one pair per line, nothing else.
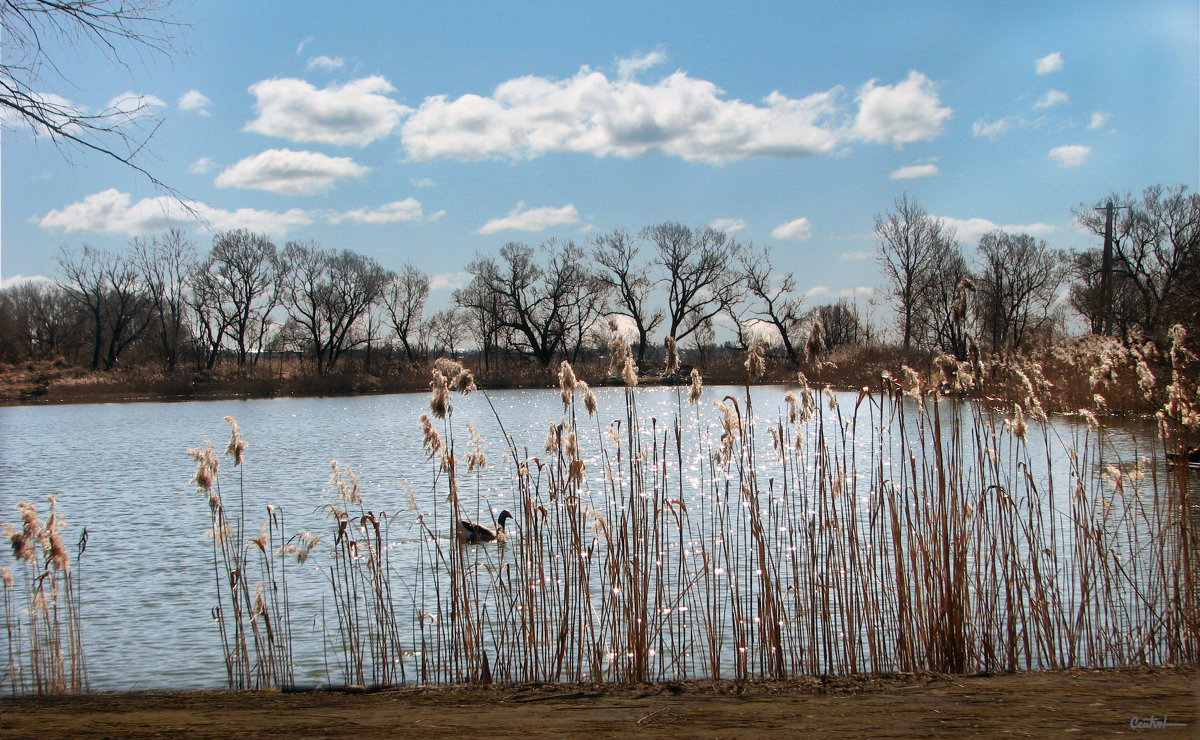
1017, 288
163, 301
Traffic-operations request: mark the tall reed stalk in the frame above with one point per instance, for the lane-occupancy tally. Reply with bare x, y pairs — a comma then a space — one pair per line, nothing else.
897, 529
42, 607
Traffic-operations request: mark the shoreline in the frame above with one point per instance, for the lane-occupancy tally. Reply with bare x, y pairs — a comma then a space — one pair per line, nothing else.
1091, 702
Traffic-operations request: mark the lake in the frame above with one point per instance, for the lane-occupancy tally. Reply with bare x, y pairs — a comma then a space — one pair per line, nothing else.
147, 577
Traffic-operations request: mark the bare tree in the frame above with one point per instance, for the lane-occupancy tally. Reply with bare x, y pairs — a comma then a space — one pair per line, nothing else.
482, 312
842, 323
108, 290
909, 243
700, 276
938, 320
1018, 283
775, 299
404, 300
166, 264
630, 282
235, 290
447, 329
1156, 247
37, 320
33, 29
536, 303
328, 293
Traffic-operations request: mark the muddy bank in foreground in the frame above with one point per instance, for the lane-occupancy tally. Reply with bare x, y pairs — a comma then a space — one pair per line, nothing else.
1155, 703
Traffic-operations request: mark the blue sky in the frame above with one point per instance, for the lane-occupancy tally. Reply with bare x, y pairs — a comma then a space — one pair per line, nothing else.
428, 133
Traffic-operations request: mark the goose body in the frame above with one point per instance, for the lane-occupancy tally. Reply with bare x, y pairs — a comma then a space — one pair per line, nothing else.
1190, 459
471, 533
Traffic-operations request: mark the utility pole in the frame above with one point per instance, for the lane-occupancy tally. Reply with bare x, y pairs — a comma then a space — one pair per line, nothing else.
1106, 272
1106, 265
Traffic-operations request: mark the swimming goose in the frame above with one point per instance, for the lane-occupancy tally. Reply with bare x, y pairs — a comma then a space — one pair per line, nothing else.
471, 533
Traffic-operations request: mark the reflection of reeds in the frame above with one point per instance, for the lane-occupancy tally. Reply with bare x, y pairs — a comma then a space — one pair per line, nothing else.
905, 531
42, 607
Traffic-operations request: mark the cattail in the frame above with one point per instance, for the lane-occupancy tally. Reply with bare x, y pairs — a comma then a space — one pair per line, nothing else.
913, 381
22, 548
566, 383
629, 373
572, 444
1113, 475
1017, 423
618, 347
237, 446
344, 484
575, 460
308, 541
755, 363
1090, 418
949, 367
6, 576
476, 459
432, 440
589, 398
1031, 400
831, 398
52, 542
696, 389
730, 420
1146, 380
464, 381
672, 356
793, 403
448, 367
554, 439
439, 402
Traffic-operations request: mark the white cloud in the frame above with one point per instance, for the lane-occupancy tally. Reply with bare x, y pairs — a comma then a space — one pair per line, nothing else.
822, 290
1098, 119
10, 119
450, 281
532, 219
195, 100
14, 280
908, 172
898, 114
728, 225
854, 256
678, 115
326, 63
969, 230
113, 212
289, 172
1070, 155
627, 68
129, 106
800, 228
356, 113
275, 223
1052, 98
1050, 63
123, 110
991, 129
397, 211
202, 166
